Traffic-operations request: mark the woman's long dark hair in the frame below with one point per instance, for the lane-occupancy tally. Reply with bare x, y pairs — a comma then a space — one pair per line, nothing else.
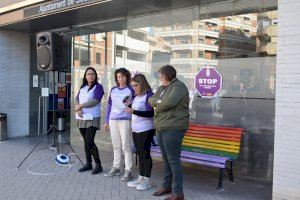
85, 82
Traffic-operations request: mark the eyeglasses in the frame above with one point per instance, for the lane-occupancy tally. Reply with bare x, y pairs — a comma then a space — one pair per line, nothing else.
92, 74
134, 85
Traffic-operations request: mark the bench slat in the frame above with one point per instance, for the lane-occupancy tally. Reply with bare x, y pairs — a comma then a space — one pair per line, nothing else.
233, 139
204, 157
222, 129
214, 134
208, 140
198, 156
207, 145
231, 156
230, 132
213, 164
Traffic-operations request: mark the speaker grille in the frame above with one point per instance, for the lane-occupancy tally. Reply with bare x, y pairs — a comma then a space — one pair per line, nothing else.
44, 57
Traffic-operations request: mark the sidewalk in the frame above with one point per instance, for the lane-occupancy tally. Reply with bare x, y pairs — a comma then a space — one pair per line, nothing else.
19, 184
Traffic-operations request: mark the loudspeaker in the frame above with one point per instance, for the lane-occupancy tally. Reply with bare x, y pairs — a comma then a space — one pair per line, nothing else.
49, 51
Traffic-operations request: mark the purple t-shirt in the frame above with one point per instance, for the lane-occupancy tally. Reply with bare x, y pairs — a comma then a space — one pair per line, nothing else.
84, 95
142, 124
117, 95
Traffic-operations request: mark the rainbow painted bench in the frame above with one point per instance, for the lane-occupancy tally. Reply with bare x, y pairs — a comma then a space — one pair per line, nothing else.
214, 146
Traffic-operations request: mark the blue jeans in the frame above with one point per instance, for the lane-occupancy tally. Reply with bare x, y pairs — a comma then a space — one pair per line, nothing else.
170, 143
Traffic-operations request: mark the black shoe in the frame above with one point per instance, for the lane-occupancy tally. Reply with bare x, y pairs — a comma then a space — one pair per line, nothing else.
98, 169
86, 167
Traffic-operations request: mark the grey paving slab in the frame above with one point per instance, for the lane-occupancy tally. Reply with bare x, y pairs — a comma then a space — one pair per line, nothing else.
20, 185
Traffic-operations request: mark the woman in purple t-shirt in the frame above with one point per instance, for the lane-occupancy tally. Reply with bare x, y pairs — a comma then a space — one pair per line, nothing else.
142, 130
118, 122
88, 114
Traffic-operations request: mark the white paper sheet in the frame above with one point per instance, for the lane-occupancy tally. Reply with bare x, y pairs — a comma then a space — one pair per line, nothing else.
120, 105
84, 117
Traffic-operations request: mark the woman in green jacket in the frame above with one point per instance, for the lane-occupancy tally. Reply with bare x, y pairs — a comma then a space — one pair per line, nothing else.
171, 105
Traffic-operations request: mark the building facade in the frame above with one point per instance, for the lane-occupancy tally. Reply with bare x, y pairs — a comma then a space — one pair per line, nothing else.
253, 45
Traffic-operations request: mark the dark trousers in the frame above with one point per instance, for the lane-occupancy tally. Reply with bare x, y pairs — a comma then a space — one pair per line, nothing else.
90, 147
170, 143
142, 142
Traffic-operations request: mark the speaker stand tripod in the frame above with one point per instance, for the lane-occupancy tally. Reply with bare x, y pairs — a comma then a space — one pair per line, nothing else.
55, 144
54, 130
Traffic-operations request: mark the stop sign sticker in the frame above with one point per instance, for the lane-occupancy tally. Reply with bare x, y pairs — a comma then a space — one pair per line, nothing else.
208, 82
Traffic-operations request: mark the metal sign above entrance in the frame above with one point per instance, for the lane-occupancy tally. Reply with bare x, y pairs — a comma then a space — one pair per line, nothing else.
54, 6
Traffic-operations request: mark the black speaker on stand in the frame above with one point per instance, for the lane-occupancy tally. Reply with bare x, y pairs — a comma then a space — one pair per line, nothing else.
50, 58
49, 51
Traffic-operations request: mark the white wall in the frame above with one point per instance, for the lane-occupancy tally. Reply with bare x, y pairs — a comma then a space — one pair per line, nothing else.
286, 177
14, 81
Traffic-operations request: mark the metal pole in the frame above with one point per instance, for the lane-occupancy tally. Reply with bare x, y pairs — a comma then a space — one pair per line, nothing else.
39, 116
89, 48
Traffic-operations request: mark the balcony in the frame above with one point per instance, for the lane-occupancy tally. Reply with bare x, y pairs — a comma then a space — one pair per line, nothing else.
193, 61
270, 48
204, 47
131, 43
234, 50
132, 64
213, 21
237, 36
270, 31
174, 33
269, 14
239, 25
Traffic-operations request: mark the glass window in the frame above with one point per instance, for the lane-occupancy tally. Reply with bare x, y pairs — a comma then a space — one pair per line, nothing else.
119, 51
76, 52
201, 39
84, 57
201, 54
136, 56
98, 58
136, 35
242, 47
85, 38
99, 37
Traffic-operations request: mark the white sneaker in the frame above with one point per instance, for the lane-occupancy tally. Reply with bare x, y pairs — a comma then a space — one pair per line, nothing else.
136, 182
144, 185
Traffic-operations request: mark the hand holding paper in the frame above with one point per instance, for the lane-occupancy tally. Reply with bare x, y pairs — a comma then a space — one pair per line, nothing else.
84, 117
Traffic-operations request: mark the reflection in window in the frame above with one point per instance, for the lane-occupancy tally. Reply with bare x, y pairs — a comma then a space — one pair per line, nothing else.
136, 56
201, 54
119, 51
84, 57
85, 38
119, 32
201, 39
76, 52
99, 37
98, 58
242, 47
136, 35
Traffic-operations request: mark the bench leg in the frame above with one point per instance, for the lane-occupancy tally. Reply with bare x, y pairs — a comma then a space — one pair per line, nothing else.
230, 171
221, 175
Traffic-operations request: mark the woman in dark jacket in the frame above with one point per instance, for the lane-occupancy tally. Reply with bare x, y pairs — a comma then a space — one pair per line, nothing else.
171, 105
